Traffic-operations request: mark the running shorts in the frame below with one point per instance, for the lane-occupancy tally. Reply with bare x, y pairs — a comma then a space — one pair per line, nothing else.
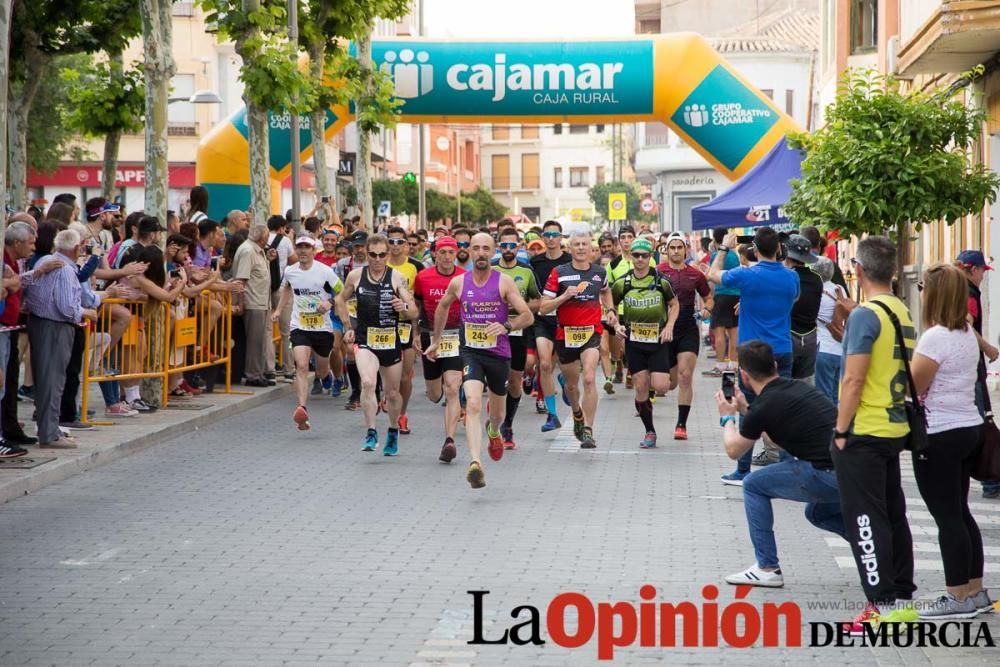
647, 357
569, 355
686, 339
488, 368
321, 342
724, 311
435, 369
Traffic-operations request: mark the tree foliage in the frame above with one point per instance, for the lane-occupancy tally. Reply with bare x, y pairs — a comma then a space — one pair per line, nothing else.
886, 158
599, 196
104, 99
478, 206
51, 137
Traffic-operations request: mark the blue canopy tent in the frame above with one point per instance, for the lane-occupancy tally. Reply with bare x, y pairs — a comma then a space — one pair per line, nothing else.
758, 197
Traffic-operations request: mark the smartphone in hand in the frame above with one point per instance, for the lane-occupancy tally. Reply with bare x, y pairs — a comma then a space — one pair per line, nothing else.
729, 385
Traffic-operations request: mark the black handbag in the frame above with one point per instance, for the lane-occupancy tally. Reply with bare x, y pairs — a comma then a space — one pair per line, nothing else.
916, 417
987, 465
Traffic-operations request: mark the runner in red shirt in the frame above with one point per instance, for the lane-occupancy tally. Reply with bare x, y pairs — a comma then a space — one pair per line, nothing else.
576, 292
428, 289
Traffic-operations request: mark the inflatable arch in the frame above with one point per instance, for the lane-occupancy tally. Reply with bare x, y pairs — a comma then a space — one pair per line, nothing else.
677, 79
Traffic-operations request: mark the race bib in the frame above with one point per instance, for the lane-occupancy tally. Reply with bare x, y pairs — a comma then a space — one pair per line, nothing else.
381, 338
516, 332
644, 332
352, 308
577, 336
311, 320
448, 347
405, 329
476, 336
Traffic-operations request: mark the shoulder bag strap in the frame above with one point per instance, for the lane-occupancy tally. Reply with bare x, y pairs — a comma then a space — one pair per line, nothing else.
902, 346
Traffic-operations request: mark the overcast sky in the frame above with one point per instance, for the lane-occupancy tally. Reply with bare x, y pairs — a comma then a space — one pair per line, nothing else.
478, 19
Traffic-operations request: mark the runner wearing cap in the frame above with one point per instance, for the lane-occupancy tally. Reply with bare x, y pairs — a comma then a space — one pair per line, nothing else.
545, 325
442, 375
381, 294
520, 339
312, 288
618, 267
576, 292
488, 298
649, 313
688, 283
357, 259
400, 262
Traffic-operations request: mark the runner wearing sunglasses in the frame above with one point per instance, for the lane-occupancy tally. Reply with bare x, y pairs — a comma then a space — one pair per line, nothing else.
463, 239
400, 262
542, 265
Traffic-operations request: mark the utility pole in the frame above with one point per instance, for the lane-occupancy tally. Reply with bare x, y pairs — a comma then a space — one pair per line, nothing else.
422, 222
293, 37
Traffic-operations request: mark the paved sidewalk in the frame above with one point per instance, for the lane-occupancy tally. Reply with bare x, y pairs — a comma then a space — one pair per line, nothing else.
112, 439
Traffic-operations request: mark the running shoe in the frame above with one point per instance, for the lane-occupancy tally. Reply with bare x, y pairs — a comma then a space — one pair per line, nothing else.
448, 451
734, 478
301, 418
119, 410
475, 476
526, 384
186, 386
27, 393
507, 433
754, 576
562, 385
947, 607
764, 458
11, 451
899, 618
540, 406
578, 427
327, 382
404, 425
609, 387
714, 372
618, 373
353, 404
983, 602
551, 424
371, 441
680, 433
391, 447
317, 388
868, 616
649, 442
587, 442
338, 387
495, 447
140, 405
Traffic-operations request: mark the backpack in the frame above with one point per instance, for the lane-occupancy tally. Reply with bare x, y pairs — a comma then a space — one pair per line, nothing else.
657, 284
843, 305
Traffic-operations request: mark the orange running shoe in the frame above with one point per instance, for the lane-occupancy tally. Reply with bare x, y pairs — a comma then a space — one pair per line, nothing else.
496, 441
681, 433
301, 418
404, 425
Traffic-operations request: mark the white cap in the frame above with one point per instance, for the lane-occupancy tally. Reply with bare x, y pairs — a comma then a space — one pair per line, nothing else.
308, 240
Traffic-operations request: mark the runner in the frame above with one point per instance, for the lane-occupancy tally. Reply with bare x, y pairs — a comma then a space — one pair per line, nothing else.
688, 283
381, 294
649, 314
400, 262
357, 259
312, 287
487, 297
542, 265
442, 376
576, 292
521, 339
618, 267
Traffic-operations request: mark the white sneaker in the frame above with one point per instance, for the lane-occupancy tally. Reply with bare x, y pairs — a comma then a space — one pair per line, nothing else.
754, 576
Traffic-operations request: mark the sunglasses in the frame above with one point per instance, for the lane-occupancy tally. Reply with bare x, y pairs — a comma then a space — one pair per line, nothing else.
378, 255
640, 255
397, 241
551, 235
463, 244
508, 246
414, 243
854, 260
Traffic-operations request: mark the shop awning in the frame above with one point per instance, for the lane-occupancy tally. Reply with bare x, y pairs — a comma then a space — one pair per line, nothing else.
758, 197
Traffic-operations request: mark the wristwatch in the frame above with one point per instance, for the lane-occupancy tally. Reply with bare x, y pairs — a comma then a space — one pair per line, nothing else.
506, 325
726, 419
723, 248
840, 434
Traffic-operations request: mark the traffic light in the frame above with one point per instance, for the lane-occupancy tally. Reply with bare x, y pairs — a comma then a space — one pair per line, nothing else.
409, 177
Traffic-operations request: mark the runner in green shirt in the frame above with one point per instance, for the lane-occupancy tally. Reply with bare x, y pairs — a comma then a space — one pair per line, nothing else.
649, 310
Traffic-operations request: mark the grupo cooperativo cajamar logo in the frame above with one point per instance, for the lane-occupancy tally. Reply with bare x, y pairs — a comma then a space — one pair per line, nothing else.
572, 620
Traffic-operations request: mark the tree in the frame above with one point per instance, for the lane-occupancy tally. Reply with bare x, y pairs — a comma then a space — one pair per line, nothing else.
887, 158
106, 101
481, 206
5, 16
599, 196
40, 30
158, 69
392, 192
50, 137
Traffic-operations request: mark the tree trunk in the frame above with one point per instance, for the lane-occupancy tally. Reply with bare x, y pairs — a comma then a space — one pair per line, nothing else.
5, 13
158, 68
364, 164
260, 166
317, 121
111, 144
36, 62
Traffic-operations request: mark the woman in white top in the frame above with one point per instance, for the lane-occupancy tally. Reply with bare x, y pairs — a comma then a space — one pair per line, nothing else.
830, 350
944, 371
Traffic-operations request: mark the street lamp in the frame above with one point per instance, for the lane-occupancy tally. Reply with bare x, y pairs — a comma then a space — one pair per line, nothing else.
204, 96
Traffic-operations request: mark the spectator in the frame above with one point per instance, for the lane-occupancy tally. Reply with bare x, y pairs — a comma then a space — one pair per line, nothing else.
211, 240
235, 221
945, 366
818, 244
250, 267
279, 251
236, 239
61, 215
19, 243
830, 349
329, 254
871, 432
129, 232
100, 221
233, 243
198, 210
805, 309
54, 303
974, 266
767, 292
24, 217
173, 222
67, 199
725, 320
147, 234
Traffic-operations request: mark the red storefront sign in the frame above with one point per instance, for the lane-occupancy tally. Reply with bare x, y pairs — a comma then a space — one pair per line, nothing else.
89, 176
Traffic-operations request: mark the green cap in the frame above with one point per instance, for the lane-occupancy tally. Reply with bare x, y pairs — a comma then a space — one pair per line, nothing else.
642, 245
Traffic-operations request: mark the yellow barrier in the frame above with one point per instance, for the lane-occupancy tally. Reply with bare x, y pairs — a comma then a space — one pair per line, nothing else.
199, 339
